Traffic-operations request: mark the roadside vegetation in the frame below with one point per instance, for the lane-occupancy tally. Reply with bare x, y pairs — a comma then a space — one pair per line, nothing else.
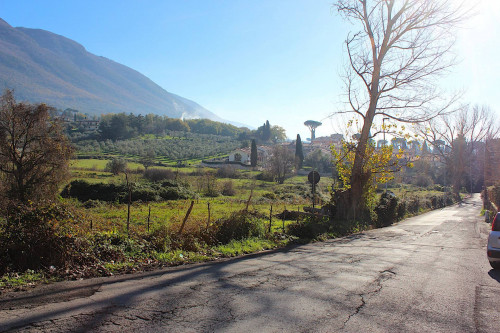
104, 205
83, 233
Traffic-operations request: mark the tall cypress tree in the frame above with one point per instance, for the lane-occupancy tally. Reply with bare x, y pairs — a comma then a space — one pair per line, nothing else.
253, 154
266, 133
299, 153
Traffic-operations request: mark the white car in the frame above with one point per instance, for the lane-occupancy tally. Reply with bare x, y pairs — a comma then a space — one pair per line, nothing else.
494, 243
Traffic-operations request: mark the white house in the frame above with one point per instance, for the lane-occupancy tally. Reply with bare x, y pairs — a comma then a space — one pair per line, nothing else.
243, 155
240, 155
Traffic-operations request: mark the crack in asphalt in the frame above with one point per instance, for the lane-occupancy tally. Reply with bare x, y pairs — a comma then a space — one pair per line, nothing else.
383, 276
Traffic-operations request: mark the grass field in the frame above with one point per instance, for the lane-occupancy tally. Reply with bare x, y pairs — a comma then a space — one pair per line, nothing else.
292, 195
155, 236
99, 165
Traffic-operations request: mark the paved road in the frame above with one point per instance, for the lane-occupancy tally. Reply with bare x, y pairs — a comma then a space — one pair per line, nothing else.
426, 274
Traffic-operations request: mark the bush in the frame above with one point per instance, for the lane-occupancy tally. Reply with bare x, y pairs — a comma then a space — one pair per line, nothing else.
240, 225
92, 203
437, 201
157, 174
144, 193
423, 180
437, 187
269, 195
413, 205
84, 191
36, 237
494, 195
227, 171
116, 166
228, 188
265, 176
160, 238
112, 246
401, 210
386, 209
310, 228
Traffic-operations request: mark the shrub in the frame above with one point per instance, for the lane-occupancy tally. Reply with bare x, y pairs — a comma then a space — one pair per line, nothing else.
437, 201
309, 228
265, 176
157, 174
438, 187
228, 188
160, 238
401, 210
413, 205
116, 166
227, 171
494, 195
386, 209
449, 199
113, 246
269, 195
36, 237
145, 193
92, 203
240, 225
423, 180
84, 191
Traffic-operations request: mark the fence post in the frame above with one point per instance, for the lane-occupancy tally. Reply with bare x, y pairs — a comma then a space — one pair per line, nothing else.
249, 199
284, 213
128, 204
208, 220
270, 218
149, 216
186, 217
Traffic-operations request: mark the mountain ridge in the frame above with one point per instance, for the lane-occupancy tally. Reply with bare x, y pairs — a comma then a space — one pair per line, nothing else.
41, 66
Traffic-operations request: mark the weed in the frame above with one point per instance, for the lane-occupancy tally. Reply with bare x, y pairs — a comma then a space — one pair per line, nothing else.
249, 245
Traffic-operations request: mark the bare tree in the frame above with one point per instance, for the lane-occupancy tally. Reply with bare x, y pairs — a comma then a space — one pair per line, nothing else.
394, 58
457, 140
281, 163
34, 153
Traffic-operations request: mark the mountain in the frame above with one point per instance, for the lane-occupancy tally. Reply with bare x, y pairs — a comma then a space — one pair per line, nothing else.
44, 67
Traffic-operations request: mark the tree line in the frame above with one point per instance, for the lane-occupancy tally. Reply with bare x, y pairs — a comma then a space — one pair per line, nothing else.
122, 126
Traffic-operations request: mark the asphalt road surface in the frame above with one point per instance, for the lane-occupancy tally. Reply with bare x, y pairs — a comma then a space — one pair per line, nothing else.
426, 274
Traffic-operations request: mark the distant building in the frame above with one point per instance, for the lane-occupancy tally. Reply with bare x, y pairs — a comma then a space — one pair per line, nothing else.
242, 155
87, 125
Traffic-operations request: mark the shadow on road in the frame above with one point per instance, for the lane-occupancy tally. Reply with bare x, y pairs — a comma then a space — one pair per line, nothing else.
259, 293
213, 270
64, 291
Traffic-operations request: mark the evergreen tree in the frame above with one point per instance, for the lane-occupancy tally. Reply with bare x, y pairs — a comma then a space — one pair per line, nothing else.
299, 153
266, 133
253, 154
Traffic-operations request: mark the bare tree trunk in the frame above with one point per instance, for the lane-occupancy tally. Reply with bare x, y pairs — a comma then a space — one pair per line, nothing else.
358, 178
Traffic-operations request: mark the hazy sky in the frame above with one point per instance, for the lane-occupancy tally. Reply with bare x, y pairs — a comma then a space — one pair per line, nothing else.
250, 60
